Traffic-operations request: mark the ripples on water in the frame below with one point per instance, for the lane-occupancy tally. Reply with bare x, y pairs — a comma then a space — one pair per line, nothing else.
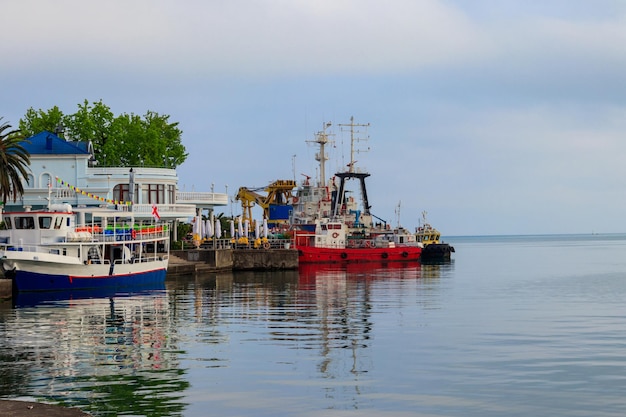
513, 326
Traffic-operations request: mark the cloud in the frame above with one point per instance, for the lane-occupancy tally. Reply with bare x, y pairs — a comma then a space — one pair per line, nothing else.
247, 37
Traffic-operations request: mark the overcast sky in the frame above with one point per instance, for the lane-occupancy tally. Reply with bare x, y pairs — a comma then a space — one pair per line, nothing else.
495, 116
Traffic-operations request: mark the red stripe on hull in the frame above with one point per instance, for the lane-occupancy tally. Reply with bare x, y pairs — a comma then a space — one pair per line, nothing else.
309, 254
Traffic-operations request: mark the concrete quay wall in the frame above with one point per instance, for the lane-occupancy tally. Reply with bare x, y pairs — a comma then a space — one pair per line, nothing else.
198, 260
265, 259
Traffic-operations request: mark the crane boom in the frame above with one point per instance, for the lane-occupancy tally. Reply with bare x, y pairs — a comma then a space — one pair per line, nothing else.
279, 192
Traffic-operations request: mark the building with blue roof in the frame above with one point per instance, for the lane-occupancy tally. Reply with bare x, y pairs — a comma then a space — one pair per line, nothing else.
63, 171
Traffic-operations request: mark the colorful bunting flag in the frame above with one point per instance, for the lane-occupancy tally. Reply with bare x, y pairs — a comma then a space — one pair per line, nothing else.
95, 197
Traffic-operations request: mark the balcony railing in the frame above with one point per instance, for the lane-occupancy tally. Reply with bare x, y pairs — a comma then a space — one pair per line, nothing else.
168, 211
195, 197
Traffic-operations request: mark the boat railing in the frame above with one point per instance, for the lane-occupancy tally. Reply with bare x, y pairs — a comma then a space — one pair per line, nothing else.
142, 259
249, 243
128, 233
361, 243
31, 249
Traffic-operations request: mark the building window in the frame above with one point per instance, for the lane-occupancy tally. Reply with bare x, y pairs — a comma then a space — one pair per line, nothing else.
171, 194
153, 193
150, 193
120, 192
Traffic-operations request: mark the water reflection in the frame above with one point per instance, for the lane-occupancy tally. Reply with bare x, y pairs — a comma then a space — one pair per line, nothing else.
234, 340
108, 356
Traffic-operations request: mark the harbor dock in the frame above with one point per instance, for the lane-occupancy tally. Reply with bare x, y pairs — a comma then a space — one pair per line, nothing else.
207, 260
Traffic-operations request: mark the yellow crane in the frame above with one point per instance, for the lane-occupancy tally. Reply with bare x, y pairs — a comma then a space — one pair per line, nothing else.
279, 193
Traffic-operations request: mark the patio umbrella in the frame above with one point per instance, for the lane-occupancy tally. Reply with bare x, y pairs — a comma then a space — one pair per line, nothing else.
218, 228
208, 229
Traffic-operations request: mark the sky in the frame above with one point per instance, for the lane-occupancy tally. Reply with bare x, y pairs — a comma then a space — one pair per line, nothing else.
494, 116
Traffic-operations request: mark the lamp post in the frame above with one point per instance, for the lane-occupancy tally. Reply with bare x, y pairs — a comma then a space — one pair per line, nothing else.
131, 186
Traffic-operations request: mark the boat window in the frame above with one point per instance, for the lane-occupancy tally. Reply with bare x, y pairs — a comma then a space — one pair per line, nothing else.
93, 255
45, 222
24, 223
58, 222
6, 224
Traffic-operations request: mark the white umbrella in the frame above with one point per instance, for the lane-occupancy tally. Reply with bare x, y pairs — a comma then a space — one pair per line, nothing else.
232, 228
256, 230
208, 227
197, 227
218, 228
239, 227
265, 228
246, 228
197, 230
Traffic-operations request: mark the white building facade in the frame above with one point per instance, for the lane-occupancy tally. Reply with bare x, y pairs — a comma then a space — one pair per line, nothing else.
66, 172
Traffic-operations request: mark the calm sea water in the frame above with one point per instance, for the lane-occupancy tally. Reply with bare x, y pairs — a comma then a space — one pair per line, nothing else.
513, 326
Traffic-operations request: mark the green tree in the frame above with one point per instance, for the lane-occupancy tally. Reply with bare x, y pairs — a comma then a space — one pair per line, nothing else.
125, 140
14, 162
90, 123
36, 121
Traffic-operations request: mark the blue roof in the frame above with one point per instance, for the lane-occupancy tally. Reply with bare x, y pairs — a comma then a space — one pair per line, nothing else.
46, 143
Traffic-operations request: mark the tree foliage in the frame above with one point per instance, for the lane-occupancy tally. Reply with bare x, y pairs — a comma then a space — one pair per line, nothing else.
14, 162
124, 140
36, 121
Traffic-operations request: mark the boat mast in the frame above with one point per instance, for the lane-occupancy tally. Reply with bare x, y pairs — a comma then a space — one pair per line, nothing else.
354, 139
322, 138
352, 173
398, 213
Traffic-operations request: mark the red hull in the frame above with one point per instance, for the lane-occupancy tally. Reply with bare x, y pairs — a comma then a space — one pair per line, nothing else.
310, 254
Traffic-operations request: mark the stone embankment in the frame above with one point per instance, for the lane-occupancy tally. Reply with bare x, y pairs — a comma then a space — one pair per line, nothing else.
199, 260
11, 408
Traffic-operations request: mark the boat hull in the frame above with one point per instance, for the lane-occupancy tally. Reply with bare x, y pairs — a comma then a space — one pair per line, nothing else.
437, 252
41, 276
310, 254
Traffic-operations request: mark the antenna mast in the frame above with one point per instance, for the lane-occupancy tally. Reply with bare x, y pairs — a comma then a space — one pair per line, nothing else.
322, 139
353, 139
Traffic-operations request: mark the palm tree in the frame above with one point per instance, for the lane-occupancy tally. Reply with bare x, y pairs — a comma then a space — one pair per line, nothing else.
14, 162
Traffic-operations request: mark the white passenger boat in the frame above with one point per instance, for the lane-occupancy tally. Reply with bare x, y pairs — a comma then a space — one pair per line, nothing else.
63, 248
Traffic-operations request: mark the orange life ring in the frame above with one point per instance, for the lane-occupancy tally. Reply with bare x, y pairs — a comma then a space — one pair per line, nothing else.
368, 244
335, 235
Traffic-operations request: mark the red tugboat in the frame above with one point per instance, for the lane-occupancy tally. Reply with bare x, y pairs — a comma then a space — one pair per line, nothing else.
331, 242
329, 226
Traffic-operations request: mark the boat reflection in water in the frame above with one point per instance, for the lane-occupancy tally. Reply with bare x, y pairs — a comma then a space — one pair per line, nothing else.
107, 353
35, 298
310, 273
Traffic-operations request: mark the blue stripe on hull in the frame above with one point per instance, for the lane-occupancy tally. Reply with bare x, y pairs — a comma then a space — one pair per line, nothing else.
31, 281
